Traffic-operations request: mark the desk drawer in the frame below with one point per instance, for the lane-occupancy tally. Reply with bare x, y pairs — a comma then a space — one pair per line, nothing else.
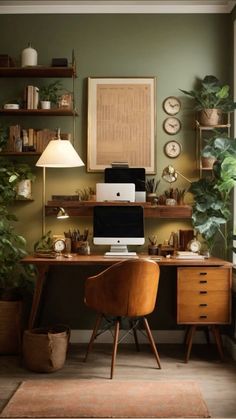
210, 307
204, 279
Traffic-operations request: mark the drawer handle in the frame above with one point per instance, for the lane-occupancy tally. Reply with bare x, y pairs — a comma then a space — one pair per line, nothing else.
203, 305
203, 292
203, 273
203, 317
203, 281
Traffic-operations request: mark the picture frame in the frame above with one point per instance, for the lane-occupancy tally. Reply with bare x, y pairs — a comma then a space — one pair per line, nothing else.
121, 122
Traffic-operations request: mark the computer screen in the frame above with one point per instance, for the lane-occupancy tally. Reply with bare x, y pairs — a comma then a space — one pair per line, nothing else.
134, 175
118, 226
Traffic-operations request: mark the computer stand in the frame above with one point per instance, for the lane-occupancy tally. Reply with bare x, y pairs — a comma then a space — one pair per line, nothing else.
120, 250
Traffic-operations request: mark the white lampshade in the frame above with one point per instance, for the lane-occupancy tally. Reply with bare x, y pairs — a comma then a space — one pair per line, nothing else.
59, 153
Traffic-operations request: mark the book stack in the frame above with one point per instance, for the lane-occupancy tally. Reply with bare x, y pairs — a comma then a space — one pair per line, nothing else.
188, 255
32, 97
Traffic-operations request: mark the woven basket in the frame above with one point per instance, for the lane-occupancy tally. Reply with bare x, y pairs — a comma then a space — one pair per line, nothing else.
10, 327
44, 350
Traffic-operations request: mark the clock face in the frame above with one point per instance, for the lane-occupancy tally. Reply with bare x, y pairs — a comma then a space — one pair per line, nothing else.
172, 149
172, 125
59, 245
194, 246
171, 105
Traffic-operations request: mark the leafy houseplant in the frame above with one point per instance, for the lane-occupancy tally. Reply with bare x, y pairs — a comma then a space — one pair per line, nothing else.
211, 98
151, 186
211, 209
50, 92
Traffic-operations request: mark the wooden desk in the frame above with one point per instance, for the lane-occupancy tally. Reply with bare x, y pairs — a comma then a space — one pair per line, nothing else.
43, 265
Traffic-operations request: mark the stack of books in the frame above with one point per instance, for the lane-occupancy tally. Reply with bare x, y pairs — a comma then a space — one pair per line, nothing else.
188, 255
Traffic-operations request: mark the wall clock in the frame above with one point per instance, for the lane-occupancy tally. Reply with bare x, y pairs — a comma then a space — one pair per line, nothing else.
172, 125
172, 149
171, 105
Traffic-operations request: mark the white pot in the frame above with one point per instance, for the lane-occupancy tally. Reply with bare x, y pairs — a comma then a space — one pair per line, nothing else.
45, 104
24, 189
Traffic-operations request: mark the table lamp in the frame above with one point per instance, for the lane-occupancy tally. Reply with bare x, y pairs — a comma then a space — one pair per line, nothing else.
58, 153
62, 214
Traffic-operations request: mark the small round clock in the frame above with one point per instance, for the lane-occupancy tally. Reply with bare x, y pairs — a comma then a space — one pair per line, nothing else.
194, 245
59, 245
172, 125
172, 149
171, 105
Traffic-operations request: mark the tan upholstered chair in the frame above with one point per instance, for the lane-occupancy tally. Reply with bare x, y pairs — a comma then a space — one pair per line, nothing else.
126, 289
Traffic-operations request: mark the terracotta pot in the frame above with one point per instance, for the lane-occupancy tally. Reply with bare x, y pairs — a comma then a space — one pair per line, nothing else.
207, 162
210, 117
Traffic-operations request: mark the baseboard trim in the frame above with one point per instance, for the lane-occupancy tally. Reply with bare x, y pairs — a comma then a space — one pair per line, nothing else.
160, 336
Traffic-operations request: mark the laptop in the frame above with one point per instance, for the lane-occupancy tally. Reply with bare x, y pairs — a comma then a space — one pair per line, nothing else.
115, 192
134, 175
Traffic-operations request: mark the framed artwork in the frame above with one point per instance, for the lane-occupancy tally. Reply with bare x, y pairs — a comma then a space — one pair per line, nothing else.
121, 122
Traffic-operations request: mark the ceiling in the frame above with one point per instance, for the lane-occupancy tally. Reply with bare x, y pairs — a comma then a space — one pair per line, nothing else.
115, 6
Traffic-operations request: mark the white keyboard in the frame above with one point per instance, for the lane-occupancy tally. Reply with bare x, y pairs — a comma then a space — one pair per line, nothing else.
121, 255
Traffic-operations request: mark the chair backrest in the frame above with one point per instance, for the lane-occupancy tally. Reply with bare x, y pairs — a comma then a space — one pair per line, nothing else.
127, 288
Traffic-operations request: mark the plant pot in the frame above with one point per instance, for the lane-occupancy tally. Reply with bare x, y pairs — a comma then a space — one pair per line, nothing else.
10, 327
23, 189
152, 197
44, 350
207, 162
210, 117
45, 104
153, 249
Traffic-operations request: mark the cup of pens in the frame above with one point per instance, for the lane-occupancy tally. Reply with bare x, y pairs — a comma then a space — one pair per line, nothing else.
79, 242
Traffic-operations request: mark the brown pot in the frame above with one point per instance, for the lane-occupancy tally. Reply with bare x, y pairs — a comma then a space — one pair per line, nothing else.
207, 162
210, 117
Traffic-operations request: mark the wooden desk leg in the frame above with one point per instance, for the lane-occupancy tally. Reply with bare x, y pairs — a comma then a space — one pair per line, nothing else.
42, 272
217, 336
190, 342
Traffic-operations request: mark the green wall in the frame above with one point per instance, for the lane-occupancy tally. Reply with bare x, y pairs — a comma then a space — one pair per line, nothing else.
174, 48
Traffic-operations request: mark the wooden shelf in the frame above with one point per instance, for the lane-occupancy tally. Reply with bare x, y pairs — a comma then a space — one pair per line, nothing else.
39, 112
37, 71
85, 208
21, 154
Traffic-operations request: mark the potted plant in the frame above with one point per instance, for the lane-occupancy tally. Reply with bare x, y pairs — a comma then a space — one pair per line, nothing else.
151, 186
15, 278
49, 94
212, 200
15, 180
211, 99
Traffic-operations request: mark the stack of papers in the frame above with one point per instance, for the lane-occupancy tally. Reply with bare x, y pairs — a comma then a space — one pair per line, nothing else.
188, 255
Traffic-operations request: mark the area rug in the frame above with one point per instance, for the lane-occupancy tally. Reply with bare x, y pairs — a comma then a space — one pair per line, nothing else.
60, 398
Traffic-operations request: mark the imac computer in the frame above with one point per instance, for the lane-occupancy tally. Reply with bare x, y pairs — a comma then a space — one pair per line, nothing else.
118, 226
134, 175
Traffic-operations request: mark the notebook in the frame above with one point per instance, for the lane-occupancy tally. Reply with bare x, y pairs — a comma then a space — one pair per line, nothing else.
115, 192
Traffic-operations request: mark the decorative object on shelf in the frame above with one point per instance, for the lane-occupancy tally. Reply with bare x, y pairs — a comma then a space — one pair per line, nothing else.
29, 57
194, 245
86, 194
211, 99
50, 93
58, 153
185, 236
65, 101
172, 149
172, 125
171, 105
59, 246
153, 246
212, 201
151, 186
6, 61
62, 214
59, 62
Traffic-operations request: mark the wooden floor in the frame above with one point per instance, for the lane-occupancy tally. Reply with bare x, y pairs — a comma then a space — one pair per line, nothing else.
216, 380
